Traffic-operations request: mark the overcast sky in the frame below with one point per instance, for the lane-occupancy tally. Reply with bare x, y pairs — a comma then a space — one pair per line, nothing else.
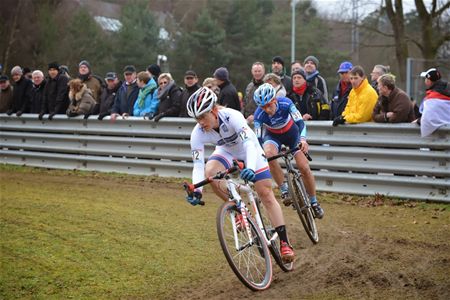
342, 9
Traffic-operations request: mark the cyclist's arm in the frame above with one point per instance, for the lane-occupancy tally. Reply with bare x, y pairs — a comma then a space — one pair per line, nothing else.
258, 128
247, 138
297, 117
198, 158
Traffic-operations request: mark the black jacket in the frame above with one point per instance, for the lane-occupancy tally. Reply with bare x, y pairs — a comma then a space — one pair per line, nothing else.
122, 103
311, 102
56, 99
169, 104
187, 92
107, 99
228, 96
338, 103
37, 95
22, 95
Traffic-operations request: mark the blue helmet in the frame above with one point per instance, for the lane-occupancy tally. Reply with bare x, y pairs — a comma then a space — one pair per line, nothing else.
264, 94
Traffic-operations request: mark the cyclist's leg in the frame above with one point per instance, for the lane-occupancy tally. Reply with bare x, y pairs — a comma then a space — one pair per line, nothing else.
271, 149
264, 190
218, 161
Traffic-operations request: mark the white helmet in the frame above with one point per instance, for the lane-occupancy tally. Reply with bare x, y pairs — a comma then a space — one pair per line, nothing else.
200, 102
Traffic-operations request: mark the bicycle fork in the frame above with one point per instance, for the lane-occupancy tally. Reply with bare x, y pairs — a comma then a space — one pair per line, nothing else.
244, 213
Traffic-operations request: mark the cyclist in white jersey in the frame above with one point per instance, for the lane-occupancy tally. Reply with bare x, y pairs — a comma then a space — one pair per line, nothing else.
228, 130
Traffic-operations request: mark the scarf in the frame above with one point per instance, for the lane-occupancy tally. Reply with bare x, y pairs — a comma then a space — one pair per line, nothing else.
145, 91
300, 90
162, 93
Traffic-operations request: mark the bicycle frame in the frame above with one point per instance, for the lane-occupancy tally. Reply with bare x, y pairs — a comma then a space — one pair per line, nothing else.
234, 195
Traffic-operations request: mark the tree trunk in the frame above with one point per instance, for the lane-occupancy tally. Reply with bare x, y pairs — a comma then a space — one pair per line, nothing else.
12, 35
398, 25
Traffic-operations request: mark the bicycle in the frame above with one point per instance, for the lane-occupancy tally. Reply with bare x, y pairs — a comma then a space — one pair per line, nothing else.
298, 193
246, 236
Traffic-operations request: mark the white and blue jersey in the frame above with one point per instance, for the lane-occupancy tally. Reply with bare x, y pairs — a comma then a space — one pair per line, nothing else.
284, 127
234, 139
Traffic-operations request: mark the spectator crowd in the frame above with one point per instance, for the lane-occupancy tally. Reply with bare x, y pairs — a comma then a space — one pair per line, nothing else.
154, 95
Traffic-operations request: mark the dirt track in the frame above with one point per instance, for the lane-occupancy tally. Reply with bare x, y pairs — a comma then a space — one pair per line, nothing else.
386, 252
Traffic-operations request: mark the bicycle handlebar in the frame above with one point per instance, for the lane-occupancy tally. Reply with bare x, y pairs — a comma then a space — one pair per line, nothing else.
285, 153
190, 187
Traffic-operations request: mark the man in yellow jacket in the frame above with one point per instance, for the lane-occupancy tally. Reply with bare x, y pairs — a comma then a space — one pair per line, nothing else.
361, 100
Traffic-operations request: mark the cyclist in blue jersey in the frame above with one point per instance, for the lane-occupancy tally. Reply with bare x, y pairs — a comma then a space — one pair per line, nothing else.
278, 122
228, 130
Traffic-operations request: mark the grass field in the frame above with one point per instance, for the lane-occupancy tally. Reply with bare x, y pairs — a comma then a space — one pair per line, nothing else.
77, 235
66, 235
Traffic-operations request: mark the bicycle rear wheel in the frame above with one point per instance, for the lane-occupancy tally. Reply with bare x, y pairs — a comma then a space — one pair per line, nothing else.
303, 206
270, 232
249, 259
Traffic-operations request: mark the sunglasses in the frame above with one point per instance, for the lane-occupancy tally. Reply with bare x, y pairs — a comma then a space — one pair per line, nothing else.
267, 105
163, 82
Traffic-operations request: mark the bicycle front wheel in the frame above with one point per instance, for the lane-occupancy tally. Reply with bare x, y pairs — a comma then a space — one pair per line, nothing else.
248, 257
303, 206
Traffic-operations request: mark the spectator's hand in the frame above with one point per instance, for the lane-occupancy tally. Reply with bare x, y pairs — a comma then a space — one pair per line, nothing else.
50, 116
248, 174
195, 198
338, 120
102, 115
114, 117
389, 114
19, 113
71, 113
307, 117
41, 115
9, 112
149, 116
125, 115
159, 117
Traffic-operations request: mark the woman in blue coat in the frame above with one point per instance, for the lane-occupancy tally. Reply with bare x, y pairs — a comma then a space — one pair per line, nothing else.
146, 103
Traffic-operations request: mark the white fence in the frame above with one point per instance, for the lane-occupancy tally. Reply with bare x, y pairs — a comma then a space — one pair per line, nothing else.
365, 159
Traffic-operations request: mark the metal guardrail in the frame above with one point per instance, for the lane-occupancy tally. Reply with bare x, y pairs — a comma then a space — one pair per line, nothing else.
360, 159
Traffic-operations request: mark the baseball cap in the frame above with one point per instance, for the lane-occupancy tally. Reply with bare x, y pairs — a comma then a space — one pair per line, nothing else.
190, 73
4, 78
346, 66
129, 69
432, 74
110, 76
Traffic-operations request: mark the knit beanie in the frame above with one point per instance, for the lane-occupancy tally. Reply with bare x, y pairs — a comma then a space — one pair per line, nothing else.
313, 59
300, 72
155, 70
221, 74
53, 65
278, 59
86, 63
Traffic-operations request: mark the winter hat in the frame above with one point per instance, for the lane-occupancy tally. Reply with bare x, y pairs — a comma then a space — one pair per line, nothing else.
4, 78
53, 65
345, 67
432, 74
221, 74
155, 70
278, 59
313, 59
86, 63
300, 72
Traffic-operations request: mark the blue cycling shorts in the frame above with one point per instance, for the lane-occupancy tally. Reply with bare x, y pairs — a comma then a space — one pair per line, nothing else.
290, 138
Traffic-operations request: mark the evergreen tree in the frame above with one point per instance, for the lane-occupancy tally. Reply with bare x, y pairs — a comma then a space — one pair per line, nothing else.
137, 42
